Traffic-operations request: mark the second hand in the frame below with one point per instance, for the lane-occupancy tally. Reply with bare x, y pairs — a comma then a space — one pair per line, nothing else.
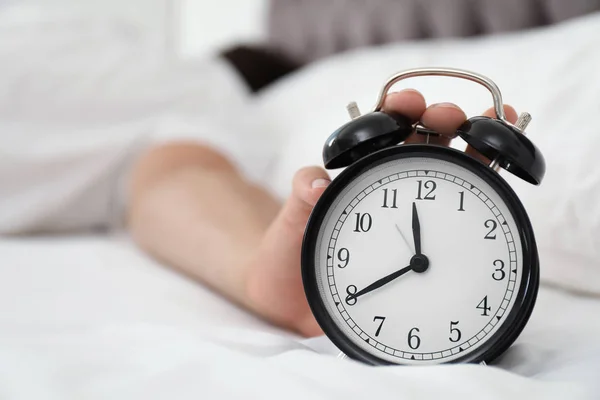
404, 238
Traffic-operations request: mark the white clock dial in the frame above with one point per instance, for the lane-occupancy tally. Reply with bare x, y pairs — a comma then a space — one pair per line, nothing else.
467, 234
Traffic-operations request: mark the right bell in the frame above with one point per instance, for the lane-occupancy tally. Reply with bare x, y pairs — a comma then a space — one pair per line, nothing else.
506, 145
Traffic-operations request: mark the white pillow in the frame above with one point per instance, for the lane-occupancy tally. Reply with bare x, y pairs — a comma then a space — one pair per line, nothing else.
553, 73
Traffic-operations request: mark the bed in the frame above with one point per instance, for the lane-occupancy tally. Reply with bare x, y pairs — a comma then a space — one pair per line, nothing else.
89, 316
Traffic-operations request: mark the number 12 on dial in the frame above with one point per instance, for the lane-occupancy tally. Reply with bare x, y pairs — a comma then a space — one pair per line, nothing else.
418, 257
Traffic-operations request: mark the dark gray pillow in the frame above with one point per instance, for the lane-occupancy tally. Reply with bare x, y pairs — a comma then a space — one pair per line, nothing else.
309, 29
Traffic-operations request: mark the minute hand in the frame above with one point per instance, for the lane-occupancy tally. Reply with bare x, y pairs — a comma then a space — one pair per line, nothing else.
379, 283
416, 227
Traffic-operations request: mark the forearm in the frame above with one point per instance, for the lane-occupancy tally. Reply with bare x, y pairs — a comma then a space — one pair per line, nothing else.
190, 208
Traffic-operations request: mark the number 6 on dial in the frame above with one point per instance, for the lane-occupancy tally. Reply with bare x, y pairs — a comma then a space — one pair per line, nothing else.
419, 254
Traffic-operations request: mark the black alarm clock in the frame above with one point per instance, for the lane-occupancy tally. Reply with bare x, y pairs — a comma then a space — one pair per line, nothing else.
420, 254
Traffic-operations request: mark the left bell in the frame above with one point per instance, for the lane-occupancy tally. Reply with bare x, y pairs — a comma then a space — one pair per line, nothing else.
363, 136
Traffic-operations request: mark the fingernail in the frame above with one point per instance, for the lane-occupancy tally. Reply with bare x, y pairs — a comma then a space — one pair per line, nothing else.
410, 90
320, 183
444, 105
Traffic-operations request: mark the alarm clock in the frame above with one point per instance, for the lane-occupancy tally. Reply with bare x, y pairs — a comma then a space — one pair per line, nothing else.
419, 254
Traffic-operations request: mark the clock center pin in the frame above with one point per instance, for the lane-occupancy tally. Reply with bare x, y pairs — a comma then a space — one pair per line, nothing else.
419, 263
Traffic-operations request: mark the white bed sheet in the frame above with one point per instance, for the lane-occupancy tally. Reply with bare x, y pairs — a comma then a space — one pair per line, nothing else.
93, 318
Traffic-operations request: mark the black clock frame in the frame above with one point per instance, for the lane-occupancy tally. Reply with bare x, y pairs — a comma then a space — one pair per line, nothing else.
526, 296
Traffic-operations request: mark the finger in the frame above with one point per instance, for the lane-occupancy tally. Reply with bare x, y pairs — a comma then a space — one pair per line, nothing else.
408, 102
511, 116
444, 118
308, 184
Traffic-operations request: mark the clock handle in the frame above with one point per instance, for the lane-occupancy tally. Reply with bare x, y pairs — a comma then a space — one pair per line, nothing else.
497, 139
450, 72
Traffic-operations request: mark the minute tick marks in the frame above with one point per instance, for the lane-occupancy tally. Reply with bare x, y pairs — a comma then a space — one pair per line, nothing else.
429, 315
418, 263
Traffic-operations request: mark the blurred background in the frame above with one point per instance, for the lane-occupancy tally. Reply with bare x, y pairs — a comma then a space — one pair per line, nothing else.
199, 27
181, 27
86, 86
89, 77
310, 28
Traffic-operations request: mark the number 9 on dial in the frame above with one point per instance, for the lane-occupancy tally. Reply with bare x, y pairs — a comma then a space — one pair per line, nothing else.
421, 254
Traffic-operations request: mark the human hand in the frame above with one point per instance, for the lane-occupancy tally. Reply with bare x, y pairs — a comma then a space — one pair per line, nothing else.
274, 283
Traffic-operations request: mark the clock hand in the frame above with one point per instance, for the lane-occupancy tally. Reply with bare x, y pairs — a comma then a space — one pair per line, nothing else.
419, 262
403, 237
380, 282
416, 227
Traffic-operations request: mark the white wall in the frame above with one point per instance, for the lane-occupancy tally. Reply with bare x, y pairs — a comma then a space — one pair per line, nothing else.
207, 26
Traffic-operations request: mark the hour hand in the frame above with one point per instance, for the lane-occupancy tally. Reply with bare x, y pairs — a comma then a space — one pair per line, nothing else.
380, 282
416, 228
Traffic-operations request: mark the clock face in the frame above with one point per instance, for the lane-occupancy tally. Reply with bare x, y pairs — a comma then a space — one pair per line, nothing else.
418, 260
